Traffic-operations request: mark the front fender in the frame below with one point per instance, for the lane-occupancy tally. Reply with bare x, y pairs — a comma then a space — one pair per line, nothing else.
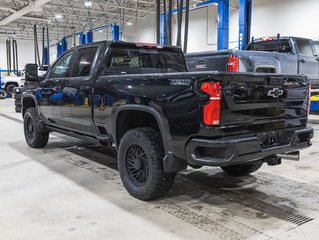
28, 98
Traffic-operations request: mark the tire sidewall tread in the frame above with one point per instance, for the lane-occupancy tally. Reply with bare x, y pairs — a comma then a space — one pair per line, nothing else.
158, 182
40, 139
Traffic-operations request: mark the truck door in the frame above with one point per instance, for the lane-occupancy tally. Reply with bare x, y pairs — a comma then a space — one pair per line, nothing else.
315, 45
77, 90
308, 64
50, 93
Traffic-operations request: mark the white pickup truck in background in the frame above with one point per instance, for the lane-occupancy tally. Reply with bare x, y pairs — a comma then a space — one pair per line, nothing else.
9, 82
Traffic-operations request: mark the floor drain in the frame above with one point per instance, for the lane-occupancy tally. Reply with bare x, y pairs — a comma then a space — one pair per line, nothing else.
270, 209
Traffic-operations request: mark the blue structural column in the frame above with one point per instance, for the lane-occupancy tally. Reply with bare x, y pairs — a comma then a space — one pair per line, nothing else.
115, 32
88, 37
223, 25
162, 30
45, 56
61, 47
81, 38
245, 11
58, 49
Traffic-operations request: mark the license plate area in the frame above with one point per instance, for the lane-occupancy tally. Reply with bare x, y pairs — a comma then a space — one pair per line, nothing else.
274, 138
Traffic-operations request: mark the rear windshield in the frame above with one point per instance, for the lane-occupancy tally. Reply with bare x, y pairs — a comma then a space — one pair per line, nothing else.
140, 60
281, 46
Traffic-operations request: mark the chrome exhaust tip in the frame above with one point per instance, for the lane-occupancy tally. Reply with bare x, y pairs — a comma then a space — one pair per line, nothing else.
294, 156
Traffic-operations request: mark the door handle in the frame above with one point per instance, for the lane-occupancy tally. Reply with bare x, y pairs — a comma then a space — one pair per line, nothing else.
302, 60
85, 88
57, 81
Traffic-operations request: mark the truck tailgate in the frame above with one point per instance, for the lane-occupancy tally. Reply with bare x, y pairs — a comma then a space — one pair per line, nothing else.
262, 103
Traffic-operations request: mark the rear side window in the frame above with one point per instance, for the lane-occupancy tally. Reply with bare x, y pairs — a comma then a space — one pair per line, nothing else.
316, 48
304, 47
139, 60
281, 46
83, 62
63, 67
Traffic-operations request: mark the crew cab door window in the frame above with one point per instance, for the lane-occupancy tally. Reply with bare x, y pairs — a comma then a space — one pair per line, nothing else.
63, 67
84, 62
304, 47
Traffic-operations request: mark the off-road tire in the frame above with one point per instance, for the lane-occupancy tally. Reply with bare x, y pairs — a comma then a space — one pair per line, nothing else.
17, 103
243, 169
18, 109
33, 137
17, 96
151, 153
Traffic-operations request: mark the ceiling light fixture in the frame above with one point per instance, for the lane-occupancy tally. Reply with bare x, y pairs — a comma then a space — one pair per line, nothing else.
58, 16
88, 3
129, 23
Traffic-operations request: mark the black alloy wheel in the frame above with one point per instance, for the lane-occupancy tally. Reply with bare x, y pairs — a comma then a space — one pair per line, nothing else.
137, 164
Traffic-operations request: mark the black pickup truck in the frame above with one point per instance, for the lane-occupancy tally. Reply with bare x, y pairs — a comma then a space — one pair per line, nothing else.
283, 55
161, 118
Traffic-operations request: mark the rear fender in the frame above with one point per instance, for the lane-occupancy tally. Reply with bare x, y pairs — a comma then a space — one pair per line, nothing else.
171, 163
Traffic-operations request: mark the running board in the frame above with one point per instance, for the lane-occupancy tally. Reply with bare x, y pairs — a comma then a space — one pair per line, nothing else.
85, 138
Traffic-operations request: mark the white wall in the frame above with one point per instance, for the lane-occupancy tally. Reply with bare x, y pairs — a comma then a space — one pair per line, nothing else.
141, 31
287, 17
25, 53
202, 29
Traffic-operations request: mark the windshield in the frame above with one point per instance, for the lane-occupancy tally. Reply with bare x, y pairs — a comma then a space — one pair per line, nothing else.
140, 60
281, 46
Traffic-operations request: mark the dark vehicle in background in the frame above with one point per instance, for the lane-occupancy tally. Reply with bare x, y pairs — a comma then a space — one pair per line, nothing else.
141, 99
283, 55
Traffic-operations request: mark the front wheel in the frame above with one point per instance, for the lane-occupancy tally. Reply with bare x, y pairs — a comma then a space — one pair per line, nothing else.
140, 162
34, 137
242, 169
18, 109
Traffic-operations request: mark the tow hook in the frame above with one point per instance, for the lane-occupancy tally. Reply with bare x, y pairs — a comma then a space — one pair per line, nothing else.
273, 160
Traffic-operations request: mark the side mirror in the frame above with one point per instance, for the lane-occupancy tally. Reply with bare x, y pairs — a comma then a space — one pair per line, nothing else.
31, 72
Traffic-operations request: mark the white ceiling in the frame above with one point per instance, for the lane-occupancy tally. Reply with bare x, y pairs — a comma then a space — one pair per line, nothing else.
19, 16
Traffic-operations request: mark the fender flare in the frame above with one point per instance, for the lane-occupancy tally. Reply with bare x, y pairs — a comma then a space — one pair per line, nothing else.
161, 120
30, 96
171, 163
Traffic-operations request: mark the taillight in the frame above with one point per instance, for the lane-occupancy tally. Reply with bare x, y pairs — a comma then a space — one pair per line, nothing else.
232, 64
309, 98
211, 111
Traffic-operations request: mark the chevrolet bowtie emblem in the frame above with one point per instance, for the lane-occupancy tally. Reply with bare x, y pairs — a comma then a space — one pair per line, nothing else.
275, 93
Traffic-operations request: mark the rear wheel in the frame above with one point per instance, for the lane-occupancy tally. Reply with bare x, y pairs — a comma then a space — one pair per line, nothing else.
33, 136
242, 169
10, 89
3, 94
140, 161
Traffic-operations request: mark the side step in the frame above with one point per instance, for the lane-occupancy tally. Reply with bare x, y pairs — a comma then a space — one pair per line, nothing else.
85, 138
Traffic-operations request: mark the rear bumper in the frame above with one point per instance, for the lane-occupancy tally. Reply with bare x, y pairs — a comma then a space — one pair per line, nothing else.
246, 148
